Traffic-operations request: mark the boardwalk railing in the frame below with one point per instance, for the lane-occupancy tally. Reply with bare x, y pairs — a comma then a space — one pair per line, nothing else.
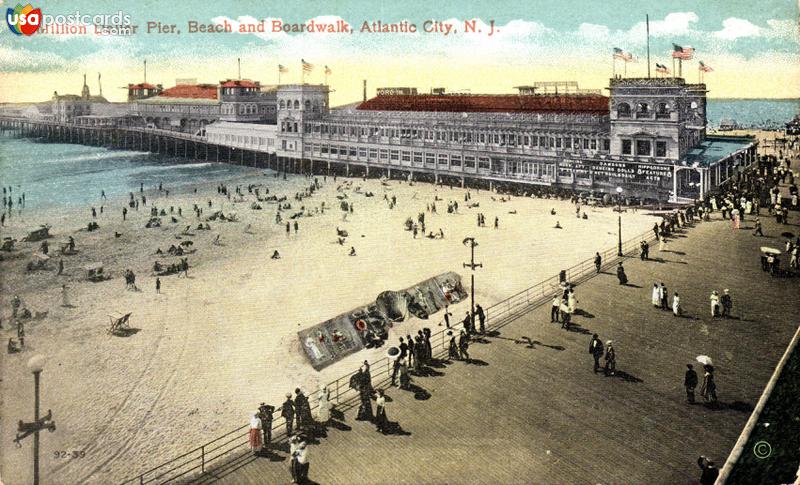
199, 459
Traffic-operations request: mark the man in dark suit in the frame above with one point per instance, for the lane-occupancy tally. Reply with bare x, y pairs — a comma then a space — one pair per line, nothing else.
710, 472
265, 415
287, 411
690, 383
596, 349
403, 352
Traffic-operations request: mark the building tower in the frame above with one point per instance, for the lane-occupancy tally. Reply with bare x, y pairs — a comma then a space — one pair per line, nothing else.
298, 103
85, 91
656, 119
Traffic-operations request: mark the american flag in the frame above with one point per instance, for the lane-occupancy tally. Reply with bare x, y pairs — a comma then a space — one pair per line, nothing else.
704, 67
621, 54
307, 67
683, 53
282, 69
328, 70
662, 68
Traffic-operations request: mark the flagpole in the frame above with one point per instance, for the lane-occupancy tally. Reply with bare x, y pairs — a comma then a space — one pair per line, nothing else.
680, 67
673, 68
647, 17
625, 69
302, 73
613, 67
239, 63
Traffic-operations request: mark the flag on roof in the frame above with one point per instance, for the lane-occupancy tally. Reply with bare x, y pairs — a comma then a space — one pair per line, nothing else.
621, 54
662, 68
705, 67
282, 69
307, 67
683, 53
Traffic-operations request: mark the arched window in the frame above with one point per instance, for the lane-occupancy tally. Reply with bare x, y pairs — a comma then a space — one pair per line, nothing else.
643, 108
295, 127
283, 105
308, 104
662, 110
296, 104
623, 110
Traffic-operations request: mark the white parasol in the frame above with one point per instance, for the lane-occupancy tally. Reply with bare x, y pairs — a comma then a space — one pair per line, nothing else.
769, 250
705, 360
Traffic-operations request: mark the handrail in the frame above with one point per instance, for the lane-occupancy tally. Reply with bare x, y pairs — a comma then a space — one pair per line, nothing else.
533, 296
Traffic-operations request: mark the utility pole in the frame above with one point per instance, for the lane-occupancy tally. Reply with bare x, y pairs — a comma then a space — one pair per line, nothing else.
471, 243
36, 365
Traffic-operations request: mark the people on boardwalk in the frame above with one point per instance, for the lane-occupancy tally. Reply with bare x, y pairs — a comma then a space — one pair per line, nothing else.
598, 262
709, 473
690, 383
727, 303
381, 421
597, 351
302, 410
287, 412
709, 388
655, 298
255, 434
714, 299
265, 412
676, 304
323, 405
555, 308
481, 319
463, 346
299, 464
621, 276
611, 359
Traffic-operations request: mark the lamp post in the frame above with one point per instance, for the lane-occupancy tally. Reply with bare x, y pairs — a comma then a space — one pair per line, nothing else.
36, 365
471, 243
619, 221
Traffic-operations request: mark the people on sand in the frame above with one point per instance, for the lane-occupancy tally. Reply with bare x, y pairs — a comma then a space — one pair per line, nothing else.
352, 251
275, 255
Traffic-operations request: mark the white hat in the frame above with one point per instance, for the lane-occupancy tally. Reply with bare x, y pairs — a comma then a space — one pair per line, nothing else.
609, 342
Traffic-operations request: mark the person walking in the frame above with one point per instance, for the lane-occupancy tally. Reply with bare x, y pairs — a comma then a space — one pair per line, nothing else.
758, 231
655, 297
158, 286
381, 421
676, 304
611, 359
709, 473
64, 297
323, 405
302, 410
255, 434
60, 267
452, 349
598, 262
621, 276
287, 412
664, 297
690, 383
714, 299
709, 388
596, 349
554, 309
481, 319
265, 415
463, 346
727, 303
662, 243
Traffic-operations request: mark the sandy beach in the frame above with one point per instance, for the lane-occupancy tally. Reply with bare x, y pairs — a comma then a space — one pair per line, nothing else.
214, 344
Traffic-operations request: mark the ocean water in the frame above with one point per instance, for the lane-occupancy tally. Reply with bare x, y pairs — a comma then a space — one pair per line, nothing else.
66, 175
752, 113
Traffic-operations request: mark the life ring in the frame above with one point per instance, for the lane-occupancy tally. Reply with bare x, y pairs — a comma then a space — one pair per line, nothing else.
361, 325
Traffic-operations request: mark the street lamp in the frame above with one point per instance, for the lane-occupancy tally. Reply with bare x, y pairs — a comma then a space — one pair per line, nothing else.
619, 221
36, 365
471, 243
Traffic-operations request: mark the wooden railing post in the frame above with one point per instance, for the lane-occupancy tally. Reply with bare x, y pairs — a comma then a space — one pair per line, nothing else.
203, 459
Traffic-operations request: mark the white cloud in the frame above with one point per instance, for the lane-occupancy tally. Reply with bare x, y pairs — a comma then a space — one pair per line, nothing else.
734, 28
675, 23
594, 31
24, 60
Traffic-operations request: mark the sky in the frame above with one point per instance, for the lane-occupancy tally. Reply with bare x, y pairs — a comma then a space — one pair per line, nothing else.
753, 47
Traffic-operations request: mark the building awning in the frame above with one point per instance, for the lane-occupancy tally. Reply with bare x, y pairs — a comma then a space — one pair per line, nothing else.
714, 149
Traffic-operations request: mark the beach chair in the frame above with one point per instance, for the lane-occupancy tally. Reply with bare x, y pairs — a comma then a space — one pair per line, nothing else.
119, 322
8, 244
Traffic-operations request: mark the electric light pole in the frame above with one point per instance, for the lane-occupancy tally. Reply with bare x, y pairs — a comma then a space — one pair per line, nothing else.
471, 243
36, 365
619, 221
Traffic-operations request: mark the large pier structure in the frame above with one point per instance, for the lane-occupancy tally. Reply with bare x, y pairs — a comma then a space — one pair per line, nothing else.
648, 137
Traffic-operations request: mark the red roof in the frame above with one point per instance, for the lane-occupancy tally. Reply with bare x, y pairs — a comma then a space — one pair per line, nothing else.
239, 83
503, 103
199, 91
141, 86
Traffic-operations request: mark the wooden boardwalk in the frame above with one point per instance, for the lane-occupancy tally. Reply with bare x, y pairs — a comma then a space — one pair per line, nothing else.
535, 413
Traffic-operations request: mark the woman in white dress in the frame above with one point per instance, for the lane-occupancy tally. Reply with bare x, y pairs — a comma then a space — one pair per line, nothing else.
655, 299
676, 304
324, 409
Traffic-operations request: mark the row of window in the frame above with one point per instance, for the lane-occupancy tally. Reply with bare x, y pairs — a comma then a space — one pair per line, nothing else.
295, 104
644, 148
464, 137
246, 109
178, 108
241, 139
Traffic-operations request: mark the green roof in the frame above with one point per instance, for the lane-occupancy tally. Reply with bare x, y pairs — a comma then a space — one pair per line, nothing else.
715, 148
